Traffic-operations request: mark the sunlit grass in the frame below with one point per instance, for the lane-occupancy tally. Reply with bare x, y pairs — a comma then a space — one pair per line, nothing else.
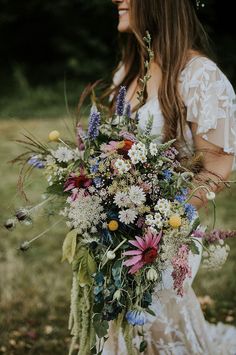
35, 286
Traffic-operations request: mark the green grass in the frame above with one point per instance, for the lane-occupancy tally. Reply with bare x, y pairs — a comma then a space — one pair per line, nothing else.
35, 286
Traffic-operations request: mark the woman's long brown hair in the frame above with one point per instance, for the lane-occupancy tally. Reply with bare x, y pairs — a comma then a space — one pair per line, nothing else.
175, 30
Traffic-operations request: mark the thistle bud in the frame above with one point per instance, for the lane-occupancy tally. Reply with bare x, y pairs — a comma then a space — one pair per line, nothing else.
24, 246
22, 214
152, 275
10, 224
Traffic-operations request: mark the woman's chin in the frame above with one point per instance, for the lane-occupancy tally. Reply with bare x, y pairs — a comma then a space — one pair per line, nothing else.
123, 26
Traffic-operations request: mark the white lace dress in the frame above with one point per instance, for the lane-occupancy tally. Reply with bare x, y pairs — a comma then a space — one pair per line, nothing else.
179, 327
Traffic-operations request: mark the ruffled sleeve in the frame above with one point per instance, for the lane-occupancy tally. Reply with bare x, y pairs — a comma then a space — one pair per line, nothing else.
210, 101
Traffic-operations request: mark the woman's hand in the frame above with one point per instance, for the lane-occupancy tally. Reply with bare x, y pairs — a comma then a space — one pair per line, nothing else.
217, 166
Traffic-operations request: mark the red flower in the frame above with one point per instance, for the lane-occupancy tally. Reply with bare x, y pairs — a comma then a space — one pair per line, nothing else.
124, 147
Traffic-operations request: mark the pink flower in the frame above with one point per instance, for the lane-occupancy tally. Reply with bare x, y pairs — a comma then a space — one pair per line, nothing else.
181, 269
77, 181
146, 252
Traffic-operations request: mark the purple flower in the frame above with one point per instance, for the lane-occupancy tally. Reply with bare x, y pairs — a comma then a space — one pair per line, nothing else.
128, 110
215, 235
190, 211
136, 317
36, 162
94, 122
120, 101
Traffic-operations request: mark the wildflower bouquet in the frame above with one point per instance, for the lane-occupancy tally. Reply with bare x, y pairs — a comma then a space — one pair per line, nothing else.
124, 198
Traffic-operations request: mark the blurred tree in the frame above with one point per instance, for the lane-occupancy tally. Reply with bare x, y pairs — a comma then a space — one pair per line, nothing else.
49, 39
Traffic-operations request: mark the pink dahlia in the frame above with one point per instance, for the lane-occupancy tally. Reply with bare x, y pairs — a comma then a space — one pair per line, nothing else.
145, 254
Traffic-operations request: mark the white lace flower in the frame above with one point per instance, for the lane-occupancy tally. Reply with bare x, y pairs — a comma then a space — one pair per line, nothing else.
121, 199
163, 206
127, 216
138, 153
153, 149
137, 195
149, 220
85, 212
63, 154
122, 166
215, 257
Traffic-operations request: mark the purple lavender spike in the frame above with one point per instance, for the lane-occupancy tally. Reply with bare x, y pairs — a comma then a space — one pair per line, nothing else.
94, 122
120, 101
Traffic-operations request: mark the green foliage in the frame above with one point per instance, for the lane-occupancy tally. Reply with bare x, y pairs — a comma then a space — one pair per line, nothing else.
101, 326
87, 266
69, 246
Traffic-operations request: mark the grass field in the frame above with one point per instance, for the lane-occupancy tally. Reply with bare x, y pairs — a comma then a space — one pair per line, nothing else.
35, 286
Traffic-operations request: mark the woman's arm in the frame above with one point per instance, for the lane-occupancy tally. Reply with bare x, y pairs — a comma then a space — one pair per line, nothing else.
217, 166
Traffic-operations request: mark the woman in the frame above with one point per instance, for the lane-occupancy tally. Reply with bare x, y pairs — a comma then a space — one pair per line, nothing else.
191, 100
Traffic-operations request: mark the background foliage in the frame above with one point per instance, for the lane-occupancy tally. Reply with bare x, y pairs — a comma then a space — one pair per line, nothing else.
44, 43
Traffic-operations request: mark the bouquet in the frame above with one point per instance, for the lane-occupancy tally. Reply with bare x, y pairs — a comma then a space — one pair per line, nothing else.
125, 198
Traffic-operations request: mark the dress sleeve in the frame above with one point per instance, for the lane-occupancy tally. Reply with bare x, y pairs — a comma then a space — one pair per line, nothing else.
210, 101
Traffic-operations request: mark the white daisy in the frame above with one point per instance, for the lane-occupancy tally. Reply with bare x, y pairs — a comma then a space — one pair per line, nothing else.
121, 199
137, 195
127, 216
63, 154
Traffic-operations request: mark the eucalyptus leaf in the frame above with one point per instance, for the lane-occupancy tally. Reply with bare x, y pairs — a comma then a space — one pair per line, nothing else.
69, 246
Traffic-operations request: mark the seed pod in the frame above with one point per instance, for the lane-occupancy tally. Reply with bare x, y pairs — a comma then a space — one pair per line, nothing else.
152, 275
111, 255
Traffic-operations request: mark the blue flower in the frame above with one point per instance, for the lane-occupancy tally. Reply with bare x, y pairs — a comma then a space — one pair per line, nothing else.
94, 168
167, 174
120, 101
94, 122
190, 211
136, 317
36, 162
97, 181
182, 196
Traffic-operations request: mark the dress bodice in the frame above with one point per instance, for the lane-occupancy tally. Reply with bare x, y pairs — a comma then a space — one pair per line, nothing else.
209, 99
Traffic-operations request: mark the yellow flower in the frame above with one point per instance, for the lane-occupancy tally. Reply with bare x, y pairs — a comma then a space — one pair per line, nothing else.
113, 225
53, 136
175, 221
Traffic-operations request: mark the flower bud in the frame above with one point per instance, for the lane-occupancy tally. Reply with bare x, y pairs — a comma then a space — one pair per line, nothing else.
111, 255
54, 136
152, 275
210, 195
